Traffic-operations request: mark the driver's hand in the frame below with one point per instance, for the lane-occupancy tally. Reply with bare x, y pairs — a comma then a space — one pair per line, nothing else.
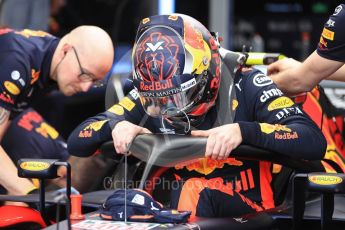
281, 65
221, 140
124, 133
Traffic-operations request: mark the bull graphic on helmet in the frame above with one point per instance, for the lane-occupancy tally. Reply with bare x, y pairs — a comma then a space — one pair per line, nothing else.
157, 55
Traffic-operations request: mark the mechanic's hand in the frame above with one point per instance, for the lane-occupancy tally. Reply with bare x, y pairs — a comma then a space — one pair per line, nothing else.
61, 180
221, 140
281, 65
124, 133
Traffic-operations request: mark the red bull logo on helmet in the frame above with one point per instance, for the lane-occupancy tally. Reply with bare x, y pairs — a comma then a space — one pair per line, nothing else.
156, 85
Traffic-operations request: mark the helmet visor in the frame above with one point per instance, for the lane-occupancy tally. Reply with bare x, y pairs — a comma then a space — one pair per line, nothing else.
165, 106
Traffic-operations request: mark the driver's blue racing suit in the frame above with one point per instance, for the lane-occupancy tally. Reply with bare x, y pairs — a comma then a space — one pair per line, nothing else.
230, 187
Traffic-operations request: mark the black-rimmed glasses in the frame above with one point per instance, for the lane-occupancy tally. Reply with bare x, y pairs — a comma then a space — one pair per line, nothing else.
84, 76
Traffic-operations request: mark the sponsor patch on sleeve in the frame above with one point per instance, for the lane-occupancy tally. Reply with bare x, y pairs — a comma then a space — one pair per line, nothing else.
134, 93
116, 109
6, 98
281, 132
88, 130
97, 125
11, 88
286, 112
267, 94
234, 104
322, 43
127, 103
262, 80
326, 33
279, 103
85, 133
269, 128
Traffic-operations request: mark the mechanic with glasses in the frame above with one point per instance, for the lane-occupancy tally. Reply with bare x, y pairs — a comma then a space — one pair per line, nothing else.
32, 63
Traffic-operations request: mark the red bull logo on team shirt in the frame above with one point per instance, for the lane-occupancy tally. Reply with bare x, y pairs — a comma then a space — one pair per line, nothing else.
34, 76
85, 133
6, 98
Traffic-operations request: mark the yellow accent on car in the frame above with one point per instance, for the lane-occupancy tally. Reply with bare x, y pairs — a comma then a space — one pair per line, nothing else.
34, 165
325, 179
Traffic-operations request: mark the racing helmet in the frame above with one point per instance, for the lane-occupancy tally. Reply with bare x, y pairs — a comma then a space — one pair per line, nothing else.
176, 66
